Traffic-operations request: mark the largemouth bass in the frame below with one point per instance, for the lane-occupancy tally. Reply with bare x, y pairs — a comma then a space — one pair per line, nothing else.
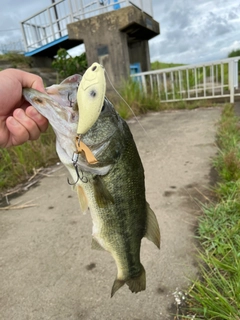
113, 188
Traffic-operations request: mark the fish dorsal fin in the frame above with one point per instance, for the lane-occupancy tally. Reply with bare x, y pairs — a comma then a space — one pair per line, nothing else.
102, 195
95, 245
153, 232
82, 199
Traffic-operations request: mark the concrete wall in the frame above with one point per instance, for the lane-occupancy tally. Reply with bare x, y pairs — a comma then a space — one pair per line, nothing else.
139, 52
116, 39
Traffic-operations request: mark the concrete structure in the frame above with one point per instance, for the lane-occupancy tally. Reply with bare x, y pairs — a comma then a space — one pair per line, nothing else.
115, 33
116, 39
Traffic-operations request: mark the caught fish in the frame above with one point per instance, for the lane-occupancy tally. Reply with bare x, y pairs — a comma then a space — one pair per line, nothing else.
113, 187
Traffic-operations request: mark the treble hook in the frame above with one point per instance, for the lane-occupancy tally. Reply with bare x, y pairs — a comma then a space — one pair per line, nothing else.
82, 177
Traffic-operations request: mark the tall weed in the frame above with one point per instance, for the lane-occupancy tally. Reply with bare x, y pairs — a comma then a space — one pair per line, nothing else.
216, 294
17, 163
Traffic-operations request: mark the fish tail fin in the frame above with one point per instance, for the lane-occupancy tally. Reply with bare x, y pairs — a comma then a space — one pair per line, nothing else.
138, 283
135, 284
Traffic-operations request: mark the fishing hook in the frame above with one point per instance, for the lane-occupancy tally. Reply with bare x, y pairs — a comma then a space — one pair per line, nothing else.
79, 177
71, 101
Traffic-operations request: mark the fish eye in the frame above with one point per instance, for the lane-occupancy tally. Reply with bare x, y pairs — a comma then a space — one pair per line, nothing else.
94, 68
38, 100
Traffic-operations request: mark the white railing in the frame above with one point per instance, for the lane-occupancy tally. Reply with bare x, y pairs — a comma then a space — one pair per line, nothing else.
192, 82
50, 24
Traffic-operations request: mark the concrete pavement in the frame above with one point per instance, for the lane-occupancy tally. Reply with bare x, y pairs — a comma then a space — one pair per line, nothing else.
47, 268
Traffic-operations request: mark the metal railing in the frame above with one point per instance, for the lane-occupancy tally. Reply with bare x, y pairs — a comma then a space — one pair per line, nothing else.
50, 24
192, 82
16, 46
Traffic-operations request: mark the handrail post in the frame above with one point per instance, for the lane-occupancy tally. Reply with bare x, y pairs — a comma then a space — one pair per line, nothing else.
82, 10
24, 37
70, 10
236, 74
231, 80
51, 25
144, 84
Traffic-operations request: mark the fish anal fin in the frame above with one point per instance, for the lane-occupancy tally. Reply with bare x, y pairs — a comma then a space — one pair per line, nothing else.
152, 232
95, 245
102, 195
117, 284
82, 199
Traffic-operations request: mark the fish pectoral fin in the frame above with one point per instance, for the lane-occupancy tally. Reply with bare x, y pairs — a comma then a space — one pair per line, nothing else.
82, 199
95, 245
102, 195
153, 232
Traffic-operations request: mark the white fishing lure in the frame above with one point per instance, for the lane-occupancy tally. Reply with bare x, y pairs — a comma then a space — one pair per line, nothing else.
90, 97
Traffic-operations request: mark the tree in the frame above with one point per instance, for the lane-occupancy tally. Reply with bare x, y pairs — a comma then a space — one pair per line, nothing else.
235, 53
66, 65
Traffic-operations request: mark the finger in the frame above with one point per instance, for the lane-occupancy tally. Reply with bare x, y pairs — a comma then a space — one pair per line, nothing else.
29, 80
18, 133
29, 124
40, 120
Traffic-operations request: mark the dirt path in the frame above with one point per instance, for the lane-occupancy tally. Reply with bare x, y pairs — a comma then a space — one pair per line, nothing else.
47, 269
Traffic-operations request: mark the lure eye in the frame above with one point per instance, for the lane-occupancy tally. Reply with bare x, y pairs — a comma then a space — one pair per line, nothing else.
93, 93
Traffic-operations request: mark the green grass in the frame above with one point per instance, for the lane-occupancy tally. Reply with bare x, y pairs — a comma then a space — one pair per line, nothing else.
216, 295
17, 164
18, 60
141, 103
164, 65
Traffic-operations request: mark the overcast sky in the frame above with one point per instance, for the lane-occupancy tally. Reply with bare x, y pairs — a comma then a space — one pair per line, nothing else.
191, 31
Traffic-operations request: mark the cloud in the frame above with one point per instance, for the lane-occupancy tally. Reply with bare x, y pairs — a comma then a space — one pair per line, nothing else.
192, 32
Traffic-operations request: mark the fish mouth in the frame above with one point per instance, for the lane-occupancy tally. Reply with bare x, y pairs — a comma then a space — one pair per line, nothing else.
55, 109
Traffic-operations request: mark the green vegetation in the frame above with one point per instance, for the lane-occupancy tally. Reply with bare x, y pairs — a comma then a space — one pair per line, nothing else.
67, 65
163, 65
141, 103
216, 295
235, 53
17, 164
17, 60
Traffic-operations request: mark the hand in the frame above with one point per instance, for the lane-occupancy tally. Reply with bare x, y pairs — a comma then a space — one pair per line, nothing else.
19, 122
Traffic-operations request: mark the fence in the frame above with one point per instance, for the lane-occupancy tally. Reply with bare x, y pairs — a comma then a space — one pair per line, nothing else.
50, 24
215, 79
16, 46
